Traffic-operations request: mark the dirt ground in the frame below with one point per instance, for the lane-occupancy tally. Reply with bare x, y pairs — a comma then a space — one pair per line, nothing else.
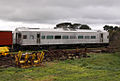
6, 61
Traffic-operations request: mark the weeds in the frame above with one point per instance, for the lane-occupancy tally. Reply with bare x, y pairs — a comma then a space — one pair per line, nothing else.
99, 67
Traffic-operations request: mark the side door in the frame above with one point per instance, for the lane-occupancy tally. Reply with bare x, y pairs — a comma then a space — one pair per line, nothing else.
38, 38
18, 38
101, 37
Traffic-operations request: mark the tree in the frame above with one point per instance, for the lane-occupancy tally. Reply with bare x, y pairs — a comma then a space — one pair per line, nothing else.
85, 27
76, 26
116, 28
71, 26
106, 27
64, 25
111, 28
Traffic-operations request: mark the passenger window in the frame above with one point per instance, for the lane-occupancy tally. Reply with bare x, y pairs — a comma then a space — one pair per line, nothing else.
24, 36
38, 35
65, 37
57, 37
43, 37
72, 37
49, 37
80, 37
93, 37
87, 37
31, 37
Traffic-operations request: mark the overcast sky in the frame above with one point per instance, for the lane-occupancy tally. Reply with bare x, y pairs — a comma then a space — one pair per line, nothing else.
48, 13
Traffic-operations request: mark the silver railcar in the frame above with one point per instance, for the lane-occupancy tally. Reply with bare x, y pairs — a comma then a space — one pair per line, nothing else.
40, 37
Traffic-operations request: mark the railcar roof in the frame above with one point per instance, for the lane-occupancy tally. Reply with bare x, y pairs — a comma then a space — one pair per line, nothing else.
56, 30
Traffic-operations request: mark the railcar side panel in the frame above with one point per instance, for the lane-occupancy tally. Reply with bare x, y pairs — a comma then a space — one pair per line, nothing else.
69, 40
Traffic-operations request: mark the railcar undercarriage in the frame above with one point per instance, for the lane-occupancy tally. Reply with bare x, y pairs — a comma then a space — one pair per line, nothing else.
58, 46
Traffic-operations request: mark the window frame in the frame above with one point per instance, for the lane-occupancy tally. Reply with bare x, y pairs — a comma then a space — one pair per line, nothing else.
24, 37
43, 37
80, 37
93, 37
31, 36
65, 37
57, 37
87, 37
50, 36
72, 37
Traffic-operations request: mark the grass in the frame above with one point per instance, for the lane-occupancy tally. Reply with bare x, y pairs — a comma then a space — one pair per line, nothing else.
99, 67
